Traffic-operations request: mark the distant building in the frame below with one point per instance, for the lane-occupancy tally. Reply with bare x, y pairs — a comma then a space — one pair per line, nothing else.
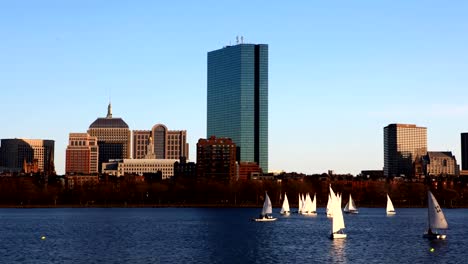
440, 164
74, 181
82, 154
168, 144
113, 137
403, 145
248, 170
216, 159
17, 155
184, 169
464, 151
237, 99
139, 167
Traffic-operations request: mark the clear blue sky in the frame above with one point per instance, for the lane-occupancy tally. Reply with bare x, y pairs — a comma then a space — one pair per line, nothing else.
339, 71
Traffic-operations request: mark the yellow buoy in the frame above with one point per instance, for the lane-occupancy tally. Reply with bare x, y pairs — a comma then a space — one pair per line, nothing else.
43, 237
432, 249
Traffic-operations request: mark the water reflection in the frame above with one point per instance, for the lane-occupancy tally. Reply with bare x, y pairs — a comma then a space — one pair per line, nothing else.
337, 251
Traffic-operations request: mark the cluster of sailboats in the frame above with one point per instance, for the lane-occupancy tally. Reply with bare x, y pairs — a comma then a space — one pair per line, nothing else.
308, 206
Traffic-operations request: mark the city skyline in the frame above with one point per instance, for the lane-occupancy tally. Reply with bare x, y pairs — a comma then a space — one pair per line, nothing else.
338, 73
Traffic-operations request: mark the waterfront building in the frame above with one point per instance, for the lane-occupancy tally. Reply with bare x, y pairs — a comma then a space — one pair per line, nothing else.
403, 145
237, 99
248, 170
216, 159
185, 169
464, 151
440, 163
82, 154
168, 144
139, 167
21, 154
113, 137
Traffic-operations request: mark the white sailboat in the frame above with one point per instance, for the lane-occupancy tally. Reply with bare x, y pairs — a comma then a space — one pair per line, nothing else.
338, 225
436, 218
350, 207
314, 204
267, 210
285, 208
390, 208
308, 210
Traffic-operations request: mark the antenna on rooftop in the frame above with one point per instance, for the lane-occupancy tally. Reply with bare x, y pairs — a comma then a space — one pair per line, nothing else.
237, 39
242, 39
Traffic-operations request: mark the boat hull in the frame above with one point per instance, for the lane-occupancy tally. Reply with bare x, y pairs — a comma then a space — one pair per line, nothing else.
352, 212
435, 236
338, 236
264, 219
307, 213
391, 213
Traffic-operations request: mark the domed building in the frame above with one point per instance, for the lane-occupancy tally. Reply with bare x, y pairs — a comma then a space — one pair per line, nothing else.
113, 136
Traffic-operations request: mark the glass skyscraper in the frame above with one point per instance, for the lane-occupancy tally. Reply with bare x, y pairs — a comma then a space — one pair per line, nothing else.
238, 99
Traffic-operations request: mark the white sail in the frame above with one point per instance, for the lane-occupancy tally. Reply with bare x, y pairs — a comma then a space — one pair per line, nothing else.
313, 207
307, 204
435, 214
351, 205
346, 208
331, 201
390, 208
299, 207
285, 207
338, 220
267, 208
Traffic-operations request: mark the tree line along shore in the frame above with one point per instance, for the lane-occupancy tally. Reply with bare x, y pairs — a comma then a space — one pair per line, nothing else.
37, 192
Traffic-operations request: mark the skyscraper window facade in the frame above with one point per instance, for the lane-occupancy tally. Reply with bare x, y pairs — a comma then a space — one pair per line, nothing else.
237, 99
403, 145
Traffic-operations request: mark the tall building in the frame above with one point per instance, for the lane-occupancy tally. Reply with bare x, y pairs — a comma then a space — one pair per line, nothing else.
168, 144
16, 153
464, 151
82, 154
113, 137
403, 145
238, 99
216, 159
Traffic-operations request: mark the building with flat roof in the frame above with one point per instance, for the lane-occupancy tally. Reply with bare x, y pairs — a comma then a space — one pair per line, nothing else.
216, 159
168, 144
15, 153
464, 151
139, 167
113, 137
403, 145
237, 99
82, 154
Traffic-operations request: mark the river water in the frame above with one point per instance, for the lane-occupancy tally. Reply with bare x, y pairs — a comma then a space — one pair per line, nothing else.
219, 235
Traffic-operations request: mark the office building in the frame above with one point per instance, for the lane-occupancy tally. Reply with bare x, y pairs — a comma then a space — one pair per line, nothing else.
168, 144
113, 137
403, 145
17, 155
464, 151
82, 154
216, 159
237, 99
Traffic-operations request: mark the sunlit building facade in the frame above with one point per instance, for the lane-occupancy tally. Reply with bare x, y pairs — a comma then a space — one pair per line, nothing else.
113, 137
168, 144
18, 152
403, 145
82, 154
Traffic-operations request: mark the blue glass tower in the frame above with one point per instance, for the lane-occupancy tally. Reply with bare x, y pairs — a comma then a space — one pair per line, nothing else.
238, 99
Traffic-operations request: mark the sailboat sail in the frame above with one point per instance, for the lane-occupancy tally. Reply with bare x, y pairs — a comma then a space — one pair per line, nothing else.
390, 208
338, 220
313, 207
267, 207
351, 206
299, 207
436, 216
285, 207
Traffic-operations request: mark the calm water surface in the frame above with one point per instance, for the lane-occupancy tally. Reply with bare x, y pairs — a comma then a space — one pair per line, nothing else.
199, 235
